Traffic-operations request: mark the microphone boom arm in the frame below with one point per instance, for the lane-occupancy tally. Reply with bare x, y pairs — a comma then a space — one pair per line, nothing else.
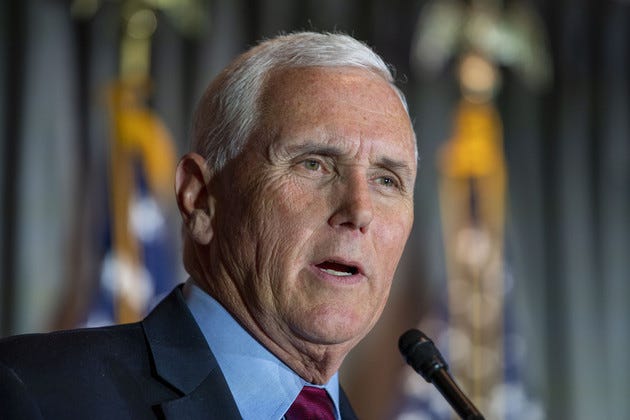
422, 355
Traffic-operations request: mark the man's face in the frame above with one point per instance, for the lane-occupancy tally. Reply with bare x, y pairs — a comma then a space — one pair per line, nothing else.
314, 214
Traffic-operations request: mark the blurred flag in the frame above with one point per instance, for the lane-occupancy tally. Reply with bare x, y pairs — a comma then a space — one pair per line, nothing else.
474, 325
474, 322
141, 258
140, 262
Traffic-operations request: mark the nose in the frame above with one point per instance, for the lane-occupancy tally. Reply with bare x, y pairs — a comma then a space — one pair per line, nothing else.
354, 209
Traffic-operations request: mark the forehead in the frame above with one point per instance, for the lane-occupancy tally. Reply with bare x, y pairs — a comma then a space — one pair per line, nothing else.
344, 103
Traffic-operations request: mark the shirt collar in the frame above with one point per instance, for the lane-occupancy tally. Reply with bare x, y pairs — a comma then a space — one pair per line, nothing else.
262, 385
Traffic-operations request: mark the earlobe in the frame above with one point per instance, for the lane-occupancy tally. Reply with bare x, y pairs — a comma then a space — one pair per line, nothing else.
194, 199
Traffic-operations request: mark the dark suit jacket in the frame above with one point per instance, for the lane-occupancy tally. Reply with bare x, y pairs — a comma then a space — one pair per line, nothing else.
161, 367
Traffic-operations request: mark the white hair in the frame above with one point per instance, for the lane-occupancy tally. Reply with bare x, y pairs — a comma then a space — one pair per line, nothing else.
228, 112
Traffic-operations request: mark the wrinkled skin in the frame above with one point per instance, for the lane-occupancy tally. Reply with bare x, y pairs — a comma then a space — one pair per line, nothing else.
300, 235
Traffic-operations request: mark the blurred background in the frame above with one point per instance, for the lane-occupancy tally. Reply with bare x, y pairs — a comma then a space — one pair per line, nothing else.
519, 262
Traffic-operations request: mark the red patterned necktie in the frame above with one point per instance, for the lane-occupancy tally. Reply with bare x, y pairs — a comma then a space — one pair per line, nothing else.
312, 404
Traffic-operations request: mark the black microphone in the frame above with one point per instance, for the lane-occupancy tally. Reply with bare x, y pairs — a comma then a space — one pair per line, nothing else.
422, 355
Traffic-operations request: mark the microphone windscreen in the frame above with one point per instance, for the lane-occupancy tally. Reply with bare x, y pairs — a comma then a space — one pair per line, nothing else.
408, 340
421, 354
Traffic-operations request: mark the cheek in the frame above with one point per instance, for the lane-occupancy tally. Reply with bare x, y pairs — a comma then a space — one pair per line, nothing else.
289, 207
390, 239
281, 219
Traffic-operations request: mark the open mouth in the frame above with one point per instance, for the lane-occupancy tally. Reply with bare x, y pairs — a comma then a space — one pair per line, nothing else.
337, 269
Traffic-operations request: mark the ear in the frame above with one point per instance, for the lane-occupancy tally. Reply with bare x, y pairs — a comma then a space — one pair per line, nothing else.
194, 199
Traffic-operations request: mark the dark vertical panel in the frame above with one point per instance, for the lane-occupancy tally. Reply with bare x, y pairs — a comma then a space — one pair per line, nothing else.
171, 64
228, 33
101, 53
554, 336
251, 15
597, 16
82, 38
72, 304
277, 16
575, 196
392, 26
522, 116
14, 27
613, 200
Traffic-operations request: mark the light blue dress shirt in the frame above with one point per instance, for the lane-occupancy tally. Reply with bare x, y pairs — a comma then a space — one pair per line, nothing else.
262, 385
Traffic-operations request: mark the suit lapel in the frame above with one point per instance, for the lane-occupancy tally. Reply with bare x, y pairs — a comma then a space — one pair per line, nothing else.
183, 359
211, 399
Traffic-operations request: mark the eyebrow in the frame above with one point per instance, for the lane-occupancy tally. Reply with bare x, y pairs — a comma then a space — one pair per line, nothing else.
396, 166
316, 149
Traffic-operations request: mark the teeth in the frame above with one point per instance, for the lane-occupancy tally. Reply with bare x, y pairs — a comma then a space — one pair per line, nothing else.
335, 272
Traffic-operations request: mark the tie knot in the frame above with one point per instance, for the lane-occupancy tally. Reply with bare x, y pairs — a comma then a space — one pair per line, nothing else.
311, 404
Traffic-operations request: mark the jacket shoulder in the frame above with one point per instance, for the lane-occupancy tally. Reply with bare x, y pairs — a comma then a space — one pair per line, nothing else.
106, 372
55, 350
67, 374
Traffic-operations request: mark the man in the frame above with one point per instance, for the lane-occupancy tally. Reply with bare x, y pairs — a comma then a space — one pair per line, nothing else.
296, 202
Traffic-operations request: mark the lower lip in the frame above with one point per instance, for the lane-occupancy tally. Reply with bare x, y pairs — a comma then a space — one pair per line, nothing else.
337, 280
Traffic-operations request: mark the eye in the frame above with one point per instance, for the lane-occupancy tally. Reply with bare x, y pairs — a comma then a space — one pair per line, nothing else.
387, 181
312, 164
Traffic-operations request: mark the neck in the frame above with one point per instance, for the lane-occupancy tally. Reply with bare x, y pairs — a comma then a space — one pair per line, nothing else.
316, 363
